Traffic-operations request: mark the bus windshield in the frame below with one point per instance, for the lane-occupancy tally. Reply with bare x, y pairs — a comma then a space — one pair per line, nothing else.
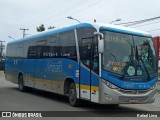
128, 55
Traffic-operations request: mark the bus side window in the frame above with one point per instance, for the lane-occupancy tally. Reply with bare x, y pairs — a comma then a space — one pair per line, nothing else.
41, 43
68, 45
86, 52
19, 50
45, 52
32, 52
53, 42
39, 51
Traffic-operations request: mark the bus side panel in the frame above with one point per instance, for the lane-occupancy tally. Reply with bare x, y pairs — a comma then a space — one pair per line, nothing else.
48, 81
53, 78
60, 69
94, 87
28, 72
85, 82
38, 73
70, 68
19, 66
10, 72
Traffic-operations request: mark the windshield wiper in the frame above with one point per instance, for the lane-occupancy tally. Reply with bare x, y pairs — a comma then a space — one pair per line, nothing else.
137, 57
131, 62
111, 54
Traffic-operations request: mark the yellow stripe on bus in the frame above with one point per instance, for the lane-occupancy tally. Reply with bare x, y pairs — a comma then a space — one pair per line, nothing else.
86, 87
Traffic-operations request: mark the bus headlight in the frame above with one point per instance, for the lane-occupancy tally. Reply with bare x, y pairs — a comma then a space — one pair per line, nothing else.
154, 86
110, 85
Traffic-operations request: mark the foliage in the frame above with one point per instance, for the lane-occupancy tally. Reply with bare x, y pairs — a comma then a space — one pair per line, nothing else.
51, 27
41, 28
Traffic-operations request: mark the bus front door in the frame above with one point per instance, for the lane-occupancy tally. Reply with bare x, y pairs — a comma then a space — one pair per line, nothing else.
85, 68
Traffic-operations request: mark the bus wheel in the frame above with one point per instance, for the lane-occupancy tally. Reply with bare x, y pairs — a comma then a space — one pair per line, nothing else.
21, 86
72, 96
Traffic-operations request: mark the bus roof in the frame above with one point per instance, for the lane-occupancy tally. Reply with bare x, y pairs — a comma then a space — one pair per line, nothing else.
123, 29
94, 25
54, 31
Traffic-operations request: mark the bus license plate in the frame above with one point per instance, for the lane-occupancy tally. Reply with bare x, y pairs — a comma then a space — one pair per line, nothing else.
133, 101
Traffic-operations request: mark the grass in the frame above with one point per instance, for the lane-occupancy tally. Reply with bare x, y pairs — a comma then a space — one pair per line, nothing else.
1, 72
158, 91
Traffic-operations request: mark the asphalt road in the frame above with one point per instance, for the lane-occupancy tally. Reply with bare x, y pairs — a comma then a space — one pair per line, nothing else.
13, 100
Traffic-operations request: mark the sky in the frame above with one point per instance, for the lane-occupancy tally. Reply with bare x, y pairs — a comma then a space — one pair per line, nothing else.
29, 14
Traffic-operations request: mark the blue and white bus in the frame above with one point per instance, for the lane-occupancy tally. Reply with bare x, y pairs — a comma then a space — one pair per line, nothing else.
105, 64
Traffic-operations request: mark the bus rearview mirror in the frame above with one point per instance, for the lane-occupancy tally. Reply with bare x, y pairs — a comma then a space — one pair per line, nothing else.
101, 46
99, 34
100, 41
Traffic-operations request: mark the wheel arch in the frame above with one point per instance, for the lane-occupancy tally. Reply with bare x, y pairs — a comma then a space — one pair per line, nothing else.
66, 85
19, 74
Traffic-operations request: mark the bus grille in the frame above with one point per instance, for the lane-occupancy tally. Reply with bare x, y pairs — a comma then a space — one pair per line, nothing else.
133, 92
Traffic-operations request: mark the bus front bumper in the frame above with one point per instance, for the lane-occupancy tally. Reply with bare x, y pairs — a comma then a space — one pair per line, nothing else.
120, 96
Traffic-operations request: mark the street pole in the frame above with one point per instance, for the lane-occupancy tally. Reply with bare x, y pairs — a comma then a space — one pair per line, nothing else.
69, 17
1, 49
115, 21
11, 37
24, 30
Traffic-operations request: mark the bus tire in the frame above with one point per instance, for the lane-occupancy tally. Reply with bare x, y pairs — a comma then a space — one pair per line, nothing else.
73, 96
21, 86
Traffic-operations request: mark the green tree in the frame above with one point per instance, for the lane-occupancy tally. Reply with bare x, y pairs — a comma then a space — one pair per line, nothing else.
51, 27
41, 28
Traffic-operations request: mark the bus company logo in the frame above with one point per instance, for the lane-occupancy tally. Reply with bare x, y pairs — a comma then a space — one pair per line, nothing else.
53, 67
6, 114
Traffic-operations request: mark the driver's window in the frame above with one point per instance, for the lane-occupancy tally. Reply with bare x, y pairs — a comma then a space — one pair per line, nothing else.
95, 56
86, 52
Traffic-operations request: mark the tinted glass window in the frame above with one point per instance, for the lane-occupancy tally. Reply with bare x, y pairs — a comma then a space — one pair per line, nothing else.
128, 54
43, 52
46, 52
52, 49
95, 56
32, 52
41, 43
54, 40
86, 52
68, 45
39, 51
